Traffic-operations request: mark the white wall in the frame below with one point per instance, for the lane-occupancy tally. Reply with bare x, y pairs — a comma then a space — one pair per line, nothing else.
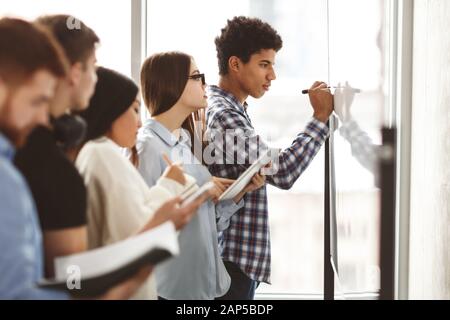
430, 157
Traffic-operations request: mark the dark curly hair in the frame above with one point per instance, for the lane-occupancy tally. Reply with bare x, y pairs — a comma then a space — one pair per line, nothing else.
242, 37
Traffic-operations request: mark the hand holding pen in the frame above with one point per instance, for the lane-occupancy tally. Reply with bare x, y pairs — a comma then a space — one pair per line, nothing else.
306, 91
321, 101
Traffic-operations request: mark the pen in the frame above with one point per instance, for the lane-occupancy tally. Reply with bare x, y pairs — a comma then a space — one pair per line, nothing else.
306, 91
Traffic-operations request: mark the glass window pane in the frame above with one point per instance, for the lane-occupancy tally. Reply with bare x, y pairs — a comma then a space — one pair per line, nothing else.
357, 60
113, 25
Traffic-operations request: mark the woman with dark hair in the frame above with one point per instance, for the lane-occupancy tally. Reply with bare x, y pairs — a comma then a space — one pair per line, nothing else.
174, 92
120, 203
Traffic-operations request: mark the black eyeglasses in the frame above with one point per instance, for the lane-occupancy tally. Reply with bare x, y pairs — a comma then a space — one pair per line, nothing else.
198, 76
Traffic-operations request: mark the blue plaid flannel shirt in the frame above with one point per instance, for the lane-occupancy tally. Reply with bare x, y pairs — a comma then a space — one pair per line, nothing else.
246, 242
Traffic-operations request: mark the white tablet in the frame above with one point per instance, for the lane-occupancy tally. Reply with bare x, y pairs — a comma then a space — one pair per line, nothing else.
247, 176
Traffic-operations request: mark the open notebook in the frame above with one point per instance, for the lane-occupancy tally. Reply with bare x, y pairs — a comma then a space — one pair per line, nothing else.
101, 269
188, 197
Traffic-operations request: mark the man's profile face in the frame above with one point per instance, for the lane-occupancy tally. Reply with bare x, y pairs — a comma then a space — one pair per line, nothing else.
255, 77
26, 106
86, 86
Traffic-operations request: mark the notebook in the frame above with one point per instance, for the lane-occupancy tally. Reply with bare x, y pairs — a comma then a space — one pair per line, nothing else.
101, 269
204, 189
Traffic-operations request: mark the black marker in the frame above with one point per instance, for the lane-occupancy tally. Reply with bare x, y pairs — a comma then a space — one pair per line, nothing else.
306, 91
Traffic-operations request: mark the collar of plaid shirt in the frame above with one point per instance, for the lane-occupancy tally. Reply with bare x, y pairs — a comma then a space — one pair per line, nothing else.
216, 92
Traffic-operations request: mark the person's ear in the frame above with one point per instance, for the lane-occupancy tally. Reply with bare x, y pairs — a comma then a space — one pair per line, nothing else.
75, 74
234, 64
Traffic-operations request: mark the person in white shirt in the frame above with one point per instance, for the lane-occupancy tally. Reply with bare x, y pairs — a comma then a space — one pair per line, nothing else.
120, 203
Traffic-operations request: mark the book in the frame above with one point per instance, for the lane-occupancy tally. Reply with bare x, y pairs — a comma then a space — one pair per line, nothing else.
189, 190
102, 268
204, 189
248, 174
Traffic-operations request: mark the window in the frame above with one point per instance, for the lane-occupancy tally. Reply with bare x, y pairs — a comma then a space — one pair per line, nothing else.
334, 41
113, 28
358, 51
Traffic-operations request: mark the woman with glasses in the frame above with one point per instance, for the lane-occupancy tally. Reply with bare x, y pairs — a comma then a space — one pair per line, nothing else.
173, 89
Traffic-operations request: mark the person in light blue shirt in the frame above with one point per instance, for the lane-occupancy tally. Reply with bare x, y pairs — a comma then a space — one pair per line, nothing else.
29, 70
174, 90
30, 67
20, 237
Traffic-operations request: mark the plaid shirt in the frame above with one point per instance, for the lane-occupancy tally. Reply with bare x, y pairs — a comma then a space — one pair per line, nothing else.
246, 242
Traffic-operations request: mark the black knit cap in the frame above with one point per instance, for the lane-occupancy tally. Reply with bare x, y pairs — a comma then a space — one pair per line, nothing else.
114, 94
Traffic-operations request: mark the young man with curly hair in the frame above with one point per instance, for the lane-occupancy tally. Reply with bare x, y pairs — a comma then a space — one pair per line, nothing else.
246, 51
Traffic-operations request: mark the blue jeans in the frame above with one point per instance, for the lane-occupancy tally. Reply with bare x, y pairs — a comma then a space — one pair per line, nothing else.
242, 287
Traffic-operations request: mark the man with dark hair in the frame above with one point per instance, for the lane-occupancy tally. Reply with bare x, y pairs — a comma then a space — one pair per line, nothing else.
246, 50
57, 187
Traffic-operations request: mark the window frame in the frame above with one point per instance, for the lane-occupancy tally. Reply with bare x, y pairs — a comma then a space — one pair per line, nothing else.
400, 71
